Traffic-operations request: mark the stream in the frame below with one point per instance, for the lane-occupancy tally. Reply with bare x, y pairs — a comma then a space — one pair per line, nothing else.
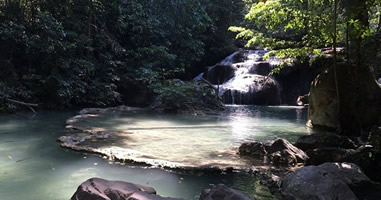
33, 166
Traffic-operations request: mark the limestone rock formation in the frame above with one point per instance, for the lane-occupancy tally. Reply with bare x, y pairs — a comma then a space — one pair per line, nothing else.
360, 100
252, 89
219, 73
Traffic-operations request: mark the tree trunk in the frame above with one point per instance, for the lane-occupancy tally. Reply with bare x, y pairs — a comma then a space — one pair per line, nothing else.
338, 108
89, 24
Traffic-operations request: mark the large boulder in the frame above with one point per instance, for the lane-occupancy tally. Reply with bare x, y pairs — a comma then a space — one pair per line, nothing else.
330, 181
365, 157
100, 189
320, 140
360, 100
222, 192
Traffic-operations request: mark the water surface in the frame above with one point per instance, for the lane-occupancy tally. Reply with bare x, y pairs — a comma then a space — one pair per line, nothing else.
194, 141
33, 166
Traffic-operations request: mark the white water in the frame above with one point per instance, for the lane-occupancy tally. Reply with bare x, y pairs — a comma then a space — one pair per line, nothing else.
247, 73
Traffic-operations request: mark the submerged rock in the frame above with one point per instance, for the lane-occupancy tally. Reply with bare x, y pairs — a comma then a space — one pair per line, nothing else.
330, 181
100, 189
222, 192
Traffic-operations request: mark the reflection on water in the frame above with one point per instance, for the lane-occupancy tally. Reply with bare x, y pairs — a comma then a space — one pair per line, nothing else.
34, 167
195, 141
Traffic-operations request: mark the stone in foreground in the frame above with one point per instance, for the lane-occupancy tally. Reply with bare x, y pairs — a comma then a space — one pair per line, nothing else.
222, 192
281, 151
336, 181
100, 189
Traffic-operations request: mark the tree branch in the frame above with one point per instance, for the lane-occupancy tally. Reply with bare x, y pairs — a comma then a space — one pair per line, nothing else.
29, 105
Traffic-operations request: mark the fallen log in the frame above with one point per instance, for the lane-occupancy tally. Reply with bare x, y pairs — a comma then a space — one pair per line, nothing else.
217, 89
29, 105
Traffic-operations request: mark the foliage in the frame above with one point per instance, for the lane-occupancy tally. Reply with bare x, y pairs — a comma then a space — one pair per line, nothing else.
372, 52
74, 53
176, 96
282, 24
296, 28
217, 39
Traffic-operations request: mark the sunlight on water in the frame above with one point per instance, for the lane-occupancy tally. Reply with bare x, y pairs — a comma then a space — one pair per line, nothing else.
33, 166
195, 141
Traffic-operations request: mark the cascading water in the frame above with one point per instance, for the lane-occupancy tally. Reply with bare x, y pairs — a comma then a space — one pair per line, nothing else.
243, 78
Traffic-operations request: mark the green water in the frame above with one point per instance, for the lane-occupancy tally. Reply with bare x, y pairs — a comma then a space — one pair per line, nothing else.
33, 166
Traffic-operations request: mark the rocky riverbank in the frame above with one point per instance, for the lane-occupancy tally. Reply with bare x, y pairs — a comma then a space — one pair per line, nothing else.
335, 167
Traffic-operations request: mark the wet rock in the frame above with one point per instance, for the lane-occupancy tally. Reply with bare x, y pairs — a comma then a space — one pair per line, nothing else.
254, 149
365, 157
251, 89
271, 181
100, 189
278, 152
320, 140
368, 159
295, 80
281, 151
261, 68
222, 192
334, 181
326, 154
219, 73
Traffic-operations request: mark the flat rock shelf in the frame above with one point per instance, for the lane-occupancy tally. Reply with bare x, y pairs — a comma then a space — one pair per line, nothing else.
181, 141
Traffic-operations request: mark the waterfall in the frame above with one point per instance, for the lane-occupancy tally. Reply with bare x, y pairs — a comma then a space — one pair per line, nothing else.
244, 78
